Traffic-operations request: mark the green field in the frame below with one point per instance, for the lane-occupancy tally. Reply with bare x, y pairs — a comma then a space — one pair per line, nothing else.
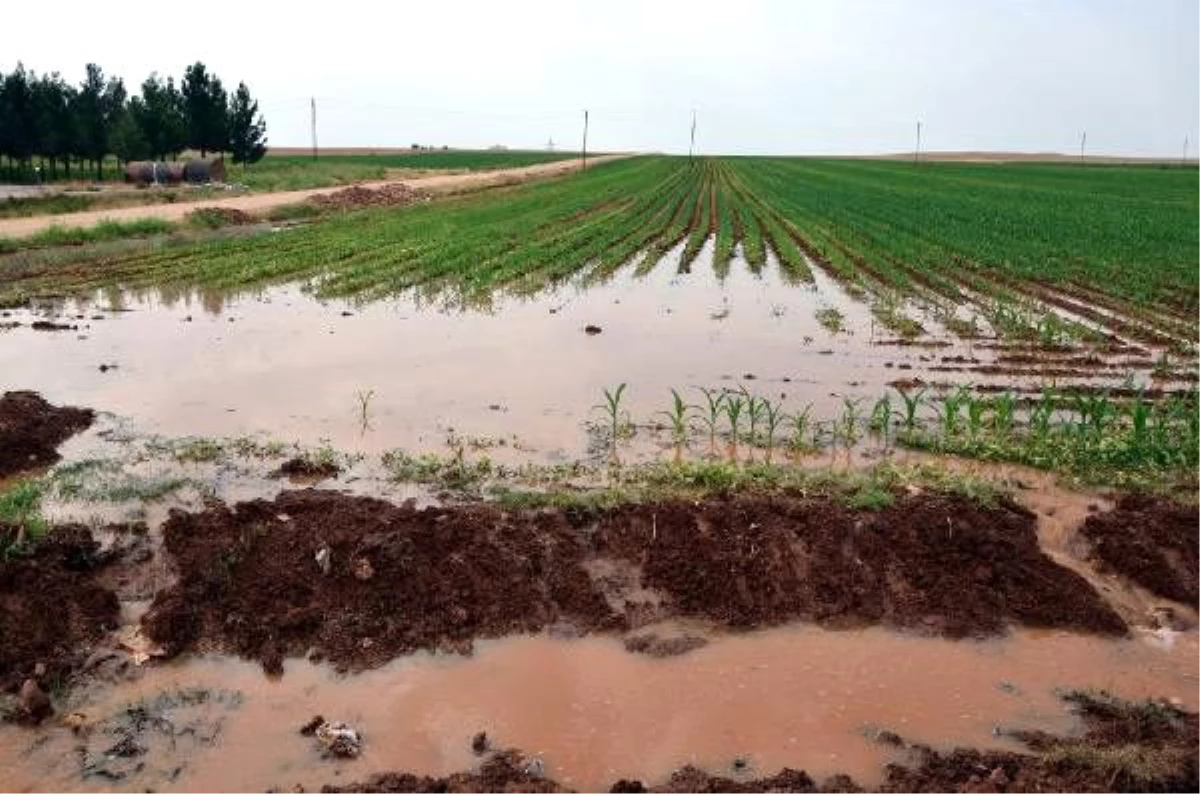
1005, 241
296, 172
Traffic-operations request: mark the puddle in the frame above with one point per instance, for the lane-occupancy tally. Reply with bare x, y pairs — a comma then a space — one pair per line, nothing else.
797, 696
406, 372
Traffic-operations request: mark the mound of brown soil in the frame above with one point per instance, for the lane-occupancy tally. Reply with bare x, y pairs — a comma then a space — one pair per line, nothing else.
51, 608
304, 468
220, 216
505, 771
939, 564
397, 195
362, 580
1152, 541
31, 428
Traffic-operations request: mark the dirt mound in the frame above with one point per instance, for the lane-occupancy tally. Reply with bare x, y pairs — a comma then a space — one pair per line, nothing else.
397, 195
361, 581
398, 579
1152, 541
216, 217
504, 771
305, 468
938, 564
51, 608
31, 428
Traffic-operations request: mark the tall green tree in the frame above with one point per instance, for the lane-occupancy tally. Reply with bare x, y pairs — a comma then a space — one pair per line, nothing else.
18, 133
247, 129
125, 138
204, 101
101, 103
159, 114
55, 121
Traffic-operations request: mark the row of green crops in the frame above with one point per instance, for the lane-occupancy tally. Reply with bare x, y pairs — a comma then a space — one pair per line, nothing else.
1120, 242
1092, 436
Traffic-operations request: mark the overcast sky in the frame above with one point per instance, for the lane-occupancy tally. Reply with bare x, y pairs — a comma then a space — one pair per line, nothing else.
788, 77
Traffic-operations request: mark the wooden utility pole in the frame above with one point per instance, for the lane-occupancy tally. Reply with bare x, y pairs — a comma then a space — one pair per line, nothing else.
313, 116
1185, 143
917, 151
691, 146
1082, 146
585, 126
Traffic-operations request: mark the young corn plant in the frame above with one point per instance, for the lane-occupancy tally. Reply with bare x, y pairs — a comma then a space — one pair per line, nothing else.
976, 410
1004, 407
952, 405
848, 425
1041, 415
800, 421
710, 414
754, 414
677, 416
735, 406
881, 419
912, 403
613, 413
773, 416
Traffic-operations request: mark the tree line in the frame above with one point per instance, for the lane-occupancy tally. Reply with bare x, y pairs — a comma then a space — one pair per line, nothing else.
60, 124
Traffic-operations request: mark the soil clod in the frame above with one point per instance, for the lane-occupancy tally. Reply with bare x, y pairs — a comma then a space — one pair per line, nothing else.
1152, 541
31, 429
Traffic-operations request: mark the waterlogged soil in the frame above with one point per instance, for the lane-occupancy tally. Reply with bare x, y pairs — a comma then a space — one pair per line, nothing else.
1151, 541
1125, 747
360, 581
52, 608
279, 361
31, 429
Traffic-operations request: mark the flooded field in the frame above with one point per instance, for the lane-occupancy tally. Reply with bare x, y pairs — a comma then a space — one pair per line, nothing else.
524, 371
593, 713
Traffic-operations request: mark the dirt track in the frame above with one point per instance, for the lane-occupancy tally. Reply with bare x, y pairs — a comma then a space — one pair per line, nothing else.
438, 183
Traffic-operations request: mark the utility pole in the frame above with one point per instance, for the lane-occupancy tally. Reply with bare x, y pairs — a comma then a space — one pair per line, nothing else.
1185, 143
585, 126
313, 109
917, 151
692, 145
1082, 146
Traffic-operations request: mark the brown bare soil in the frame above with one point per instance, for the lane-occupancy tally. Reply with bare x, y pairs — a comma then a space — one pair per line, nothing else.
1152, 541
251, 579
1126, 747
52, 609
31, 429
356, 197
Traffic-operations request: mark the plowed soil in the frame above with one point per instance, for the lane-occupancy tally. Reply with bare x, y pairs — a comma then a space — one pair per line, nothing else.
397, 579
51, 608
31, 429
1127, 747
1153, 542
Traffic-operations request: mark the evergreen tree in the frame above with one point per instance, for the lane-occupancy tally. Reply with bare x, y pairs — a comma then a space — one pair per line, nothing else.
205, 103
247, 130
159, 115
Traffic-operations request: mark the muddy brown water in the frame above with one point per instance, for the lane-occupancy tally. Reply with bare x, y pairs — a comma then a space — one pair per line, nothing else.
797, 696
521, 370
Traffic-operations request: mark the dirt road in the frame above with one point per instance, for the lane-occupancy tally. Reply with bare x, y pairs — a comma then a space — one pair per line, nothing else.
260, 202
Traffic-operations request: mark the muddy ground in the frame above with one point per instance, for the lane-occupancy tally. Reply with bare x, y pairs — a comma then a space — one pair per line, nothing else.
1152, 542
360, 581
1126, 747
52, 609
31, 428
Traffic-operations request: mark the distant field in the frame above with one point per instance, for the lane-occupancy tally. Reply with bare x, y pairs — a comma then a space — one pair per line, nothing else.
293, 171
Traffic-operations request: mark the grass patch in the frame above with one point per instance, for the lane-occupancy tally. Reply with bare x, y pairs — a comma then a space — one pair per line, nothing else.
21, 511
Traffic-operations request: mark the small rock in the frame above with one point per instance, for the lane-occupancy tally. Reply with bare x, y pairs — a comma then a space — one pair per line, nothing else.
35, 704
534, 767
324, 558
592, 330
39, 670
479, 743
339, 740
363, 569
998, 777
310, 727
347, 314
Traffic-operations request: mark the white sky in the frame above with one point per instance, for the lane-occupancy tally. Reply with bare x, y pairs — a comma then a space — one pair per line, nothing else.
798, 77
